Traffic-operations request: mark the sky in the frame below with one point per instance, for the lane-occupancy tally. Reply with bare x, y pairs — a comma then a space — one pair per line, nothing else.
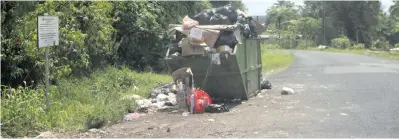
259, 7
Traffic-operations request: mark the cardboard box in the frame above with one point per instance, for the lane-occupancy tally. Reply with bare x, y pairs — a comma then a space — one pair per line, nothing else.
189, 49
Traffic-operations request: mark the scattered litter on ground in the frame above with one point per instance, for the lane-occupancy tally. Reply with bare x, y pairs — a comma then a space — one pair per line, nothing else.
322, 47
265, 84
46, 134
256, 132
216, 108
131, 116
211, 120
185, 113
287, 91
343, 114
94, 130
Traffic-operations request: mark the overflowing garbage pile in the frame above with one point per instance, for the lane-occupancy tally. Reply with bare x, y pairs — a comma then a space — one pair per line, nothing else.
227, 15
160, 98
216, 30
165, 98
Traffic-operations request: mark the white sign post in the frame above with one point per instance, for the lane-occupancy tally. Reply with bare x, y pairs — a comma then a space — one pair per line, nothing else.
48, 35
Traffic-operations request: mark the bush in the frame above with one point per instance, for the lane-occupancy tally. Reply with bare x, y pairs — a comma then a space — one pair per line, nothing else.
77, 103
381, 45
357, 46
306, 43
271, 46
342, 42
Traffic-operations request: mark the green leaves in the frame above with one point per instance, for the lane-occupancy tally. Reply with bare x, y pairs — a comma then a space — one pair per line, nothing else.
343, 42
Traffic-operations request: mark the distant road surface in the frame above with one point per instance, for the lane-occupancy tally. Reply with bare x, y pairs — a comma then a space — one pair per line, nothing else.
337, 95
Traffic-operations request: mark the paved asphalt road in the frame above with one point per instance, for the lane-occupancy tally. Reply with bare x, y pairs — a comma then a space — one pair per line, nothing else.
337, 95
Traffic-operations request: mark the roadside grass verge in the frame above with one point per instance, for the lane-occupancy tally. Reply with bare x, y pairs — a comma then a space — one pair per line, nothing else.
75, 103
383, 54
275, 60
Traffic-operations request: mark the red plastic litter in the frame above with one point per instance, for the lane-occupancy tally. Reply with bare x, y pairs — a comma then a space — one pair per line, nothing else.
199, 101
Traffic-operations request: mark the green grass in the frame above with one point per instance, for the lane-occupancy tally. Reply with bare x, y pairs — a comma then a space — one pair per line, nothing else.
275, 60
388, 55
76, 103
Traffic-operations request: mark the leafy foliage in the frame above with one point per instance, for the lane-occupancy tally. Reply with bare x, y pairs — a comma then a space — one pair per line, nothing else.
359, 46
322, 21
92, 35
381, 44
77, 103
342, 42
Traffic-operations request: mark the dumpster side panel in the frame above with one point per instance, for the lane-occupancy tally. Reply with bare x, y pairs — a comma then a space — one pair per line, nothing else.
253, 65
242, 63
222, 80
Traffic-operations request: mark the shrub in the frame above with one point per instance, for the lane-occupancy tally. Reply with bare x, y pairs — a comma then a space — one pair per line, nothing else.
271, 46
381, 45
341, 42
76, 103
306, 43
357, 46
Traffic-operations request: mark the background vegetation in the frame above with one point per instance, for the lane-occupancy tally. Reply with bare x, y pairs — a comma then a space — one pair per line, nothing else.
107, 50
339, 24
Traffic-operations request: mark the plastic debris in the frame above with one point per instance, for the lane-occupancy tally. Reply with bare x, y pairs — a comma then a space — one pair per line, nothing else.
131, 116
184, 114
265, 84
287, 91
216, 108
189, 23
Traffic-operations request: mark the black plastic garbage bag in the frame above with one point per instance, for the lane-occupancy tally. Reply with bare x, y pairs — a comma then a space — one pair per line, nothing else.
252, 26
174, 47
246, 31
228, 11
218, 19
265, 84
216, 108
204, 17
226, 38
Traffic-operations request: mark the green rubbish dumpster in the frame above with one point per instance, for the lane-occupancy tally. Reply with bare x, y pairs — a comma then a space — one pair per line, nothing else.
237, 76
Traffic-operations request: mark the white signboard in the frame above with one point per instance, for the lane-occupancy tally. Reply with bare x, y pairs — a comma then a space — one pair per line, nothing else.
48, 34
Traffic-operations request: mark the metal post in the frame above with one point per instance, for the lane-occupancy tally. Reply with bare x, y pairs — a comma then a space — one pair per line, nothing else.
47, 76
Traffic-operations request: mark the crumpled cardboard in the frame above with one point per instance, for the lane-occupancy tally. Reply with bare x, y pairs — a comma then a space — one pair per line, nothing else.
210, 32
190, 49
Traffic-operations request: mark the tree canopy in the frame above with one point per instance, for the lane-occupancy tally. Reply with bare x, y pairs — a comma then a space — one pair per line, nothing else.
322, 21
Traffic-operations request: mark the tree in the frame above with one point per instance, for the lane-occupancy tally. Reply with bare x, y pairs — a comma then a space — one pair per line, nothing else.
86, 40
356, 19
280, 14
393, 22
309, 28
